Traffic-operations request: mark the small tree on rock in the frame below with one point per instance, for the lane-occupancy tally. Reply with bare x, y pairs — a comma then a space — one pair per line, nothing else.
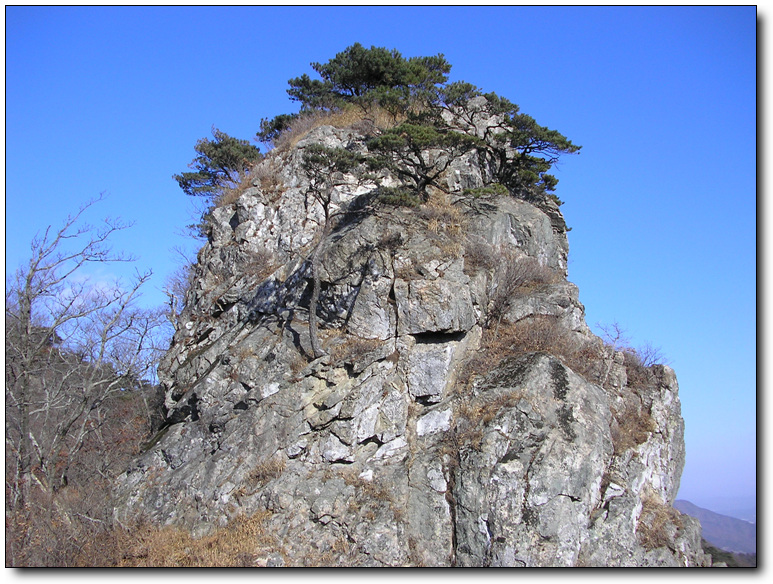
219, 164
324, 166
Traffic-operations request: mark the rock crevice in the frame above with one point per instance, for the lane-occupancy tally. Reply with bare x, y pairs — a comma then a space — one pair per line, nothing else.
430, 433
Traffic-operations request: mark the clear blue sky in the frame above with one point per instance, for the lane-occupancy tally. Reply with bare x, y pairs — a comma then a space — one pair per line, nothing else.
662, 199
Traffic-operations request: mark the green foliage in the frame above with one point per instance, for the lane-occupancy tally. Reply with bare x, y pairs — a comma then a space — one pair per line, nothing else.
458, 93
321, 164
319, 158
398, 197
271, 129
353, 75
524, 151
521, 152
487, 191
439, 123
404, 150
218, 164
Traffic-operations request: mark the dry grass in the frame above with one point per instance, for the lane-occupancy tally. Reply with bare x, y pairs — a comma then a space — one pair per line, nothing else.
259, 263
638, 373
365, 120
474, 415
658, 522
298, 363
239, 544
266, 471
265, 174
442, 216
353, 349
79, 540
538, 333
229, 195
633, 426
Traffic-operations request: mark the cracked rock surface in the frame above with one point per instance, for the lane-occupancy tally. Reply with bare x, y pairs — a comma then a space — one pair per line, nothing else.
394, 448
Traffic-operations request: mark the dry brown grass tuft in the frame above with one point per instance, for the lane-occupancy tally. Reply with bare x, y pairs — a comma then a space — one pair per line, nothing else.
266, 471
632, 426
236, 545
538, 333
269, 177
259, 263
639, 375
229, 195
482, 410
658, 522
442, 216
299, 361
265, 174
366, 120
353, 348
83, 541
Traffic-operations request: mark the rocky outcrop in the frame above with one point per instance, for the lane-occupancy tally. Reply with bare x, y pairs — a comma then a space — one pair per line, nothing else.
458, 418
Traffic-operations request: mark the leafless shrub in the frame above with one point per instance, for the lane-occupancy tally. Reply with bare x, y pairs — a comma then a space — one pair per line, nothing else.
390, 241
614, 336
637, 361
73, 526
515, 276
478, 255
71, 346
178, 283
650, 355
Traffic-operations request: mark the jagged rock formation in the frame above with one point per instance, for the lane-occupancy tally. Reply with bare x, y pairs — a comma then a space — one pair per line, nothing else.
463, 415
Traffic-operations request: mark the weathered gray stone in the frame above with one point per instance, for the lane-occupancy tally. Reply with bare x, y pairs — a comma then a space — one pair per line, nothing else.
392, 449
433, 422
440, 305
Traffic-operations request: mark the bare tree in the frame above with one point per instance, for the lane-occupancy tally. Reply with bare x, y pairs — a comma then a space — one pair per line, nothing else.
70, 345
177, 285
651, 355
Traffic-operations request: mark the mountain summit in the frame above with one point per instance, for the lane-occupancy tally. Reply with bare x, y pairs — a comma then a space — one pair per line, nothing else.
381, 357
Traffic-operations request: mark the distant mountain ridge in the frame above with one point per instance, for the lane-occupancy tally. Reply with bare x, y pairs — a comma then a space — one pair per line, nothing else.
723, 531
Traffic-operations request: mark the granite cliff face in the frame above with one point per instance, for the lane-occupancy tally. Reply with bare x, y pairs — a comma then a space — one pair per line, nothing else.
463, 413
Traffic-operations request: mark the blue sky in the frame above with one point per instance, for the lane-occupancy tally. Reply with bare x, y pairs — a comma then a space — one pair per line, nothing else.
661, 200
